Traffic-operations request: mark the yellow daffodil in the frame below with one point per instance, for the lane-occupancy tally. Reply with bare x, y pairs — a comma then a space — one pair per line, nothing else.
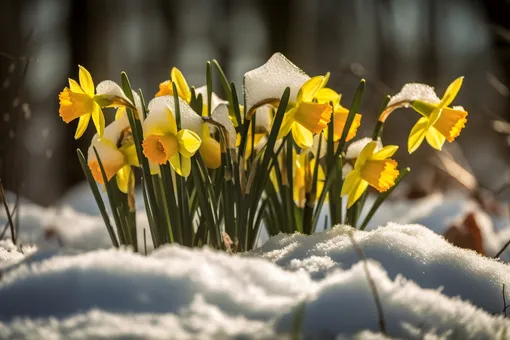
211, 149
117, 153
83, 101
79, 101
371, 168
303, 178
183, 91
439, 122
263, 121
164, 142
327, 95
305, 116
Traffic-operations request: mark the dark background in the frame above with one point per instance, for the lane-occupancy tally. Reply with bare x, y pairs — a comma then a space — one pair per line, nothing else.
388, 42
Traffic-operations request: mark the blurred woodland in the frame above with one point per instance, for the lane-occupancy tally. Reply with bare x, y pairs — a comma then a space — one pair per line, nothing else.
387, 42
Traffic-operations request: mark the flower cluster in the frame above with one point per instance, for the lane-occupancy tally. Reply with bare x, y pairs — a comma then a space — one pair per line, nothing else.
211, 166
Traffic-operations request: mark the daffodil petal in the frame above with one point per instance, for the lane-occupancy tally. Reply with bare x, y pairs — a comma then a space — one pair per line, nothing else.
189, 142
353, 187
435, 138
386, 152
83, 123
123, 177
417, 135
302, 136
98, 119
287, 123
74, 86
326, 95
181, 84
220, 116
309, 89
365, 154
86, 82
451, 92
181, 165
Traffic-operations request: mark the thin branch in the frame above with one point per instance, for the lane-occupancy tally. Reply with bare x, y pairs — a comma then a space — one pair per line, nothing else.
7, 211
361, 255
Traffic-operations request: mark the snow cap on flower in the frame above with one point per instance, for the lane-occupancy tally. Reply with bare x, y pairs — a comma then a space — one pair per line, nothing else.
220, 116
111, 90
157, 116
354, 149
268, 82
414, 91
215, 100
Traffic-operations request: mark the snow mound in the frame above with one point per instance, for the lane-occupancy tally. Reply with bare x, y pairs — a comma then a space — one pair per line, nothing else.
412, 251
198, 293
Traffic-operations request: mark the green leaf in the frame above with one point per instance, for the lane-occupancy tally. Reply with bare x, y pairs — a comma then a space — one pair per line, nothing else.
97, 197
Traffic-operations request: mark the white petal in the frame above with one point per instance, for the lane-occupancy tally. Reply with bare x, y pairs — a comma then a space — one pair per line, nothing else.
220, 115
355, 148
111, 88
315, 146
415, 91
270, 80
263, 118
215, 100
107, 146
158, 114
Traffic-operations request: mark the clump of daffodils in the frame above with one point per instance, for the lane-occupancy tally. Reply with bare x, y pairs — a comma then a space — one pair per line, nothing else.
214, 166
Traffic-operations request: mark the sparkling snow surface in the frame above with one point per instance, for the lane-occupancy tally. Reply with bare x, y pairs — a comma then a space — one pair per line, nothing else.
427, 287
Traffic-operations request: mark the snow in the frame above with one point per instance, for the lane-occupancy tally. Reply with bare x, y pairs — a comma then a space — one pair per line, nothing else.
428, 288
158, 110
270, 80
414, 91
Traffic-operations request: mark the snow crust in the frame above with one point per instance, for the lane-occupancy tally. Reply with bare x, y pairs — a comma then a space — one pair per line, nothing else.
270, 80
414, 91
425, 285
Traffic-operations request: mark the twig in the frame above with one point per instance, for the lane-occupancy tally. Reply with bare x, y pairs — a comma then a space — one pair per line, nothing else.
504, 300
144, 242
502, 249
7, 224
361, 255
9, 217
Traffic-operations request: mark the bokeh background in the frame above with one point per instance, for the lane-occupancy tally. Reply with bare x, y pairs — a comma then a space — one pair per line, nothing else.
388, 42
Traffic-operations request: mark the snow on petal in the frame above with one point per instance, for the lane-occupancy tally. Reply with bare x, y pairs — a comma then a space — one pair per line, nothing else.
270, 80
354, 149
414, 91
158, 108
215, 100
220, 116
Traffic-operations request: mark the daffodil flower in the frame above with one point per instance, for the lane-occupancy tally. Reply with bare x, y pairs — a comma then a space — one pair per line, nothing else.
439, 123
117, 153
371, 168
305, 116
340, 114
211, 149
183, 90
80, 100
164, 142
303, 178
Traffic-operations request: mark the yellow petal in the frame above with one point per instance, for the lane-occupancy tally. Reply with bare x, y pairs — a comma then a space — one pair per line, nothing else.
451, 122
98, 119
451, 92
435, 138
326, 95
123, 178
314, 116
287, 123
86, 82
130, 155
172, 124
74, 86
121, 111
159, 148
309, 89
418, 133
365, 155
181, 164
165, 89
181, 84
353, 187
82, 126
302, 136
385, 152
189, 142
